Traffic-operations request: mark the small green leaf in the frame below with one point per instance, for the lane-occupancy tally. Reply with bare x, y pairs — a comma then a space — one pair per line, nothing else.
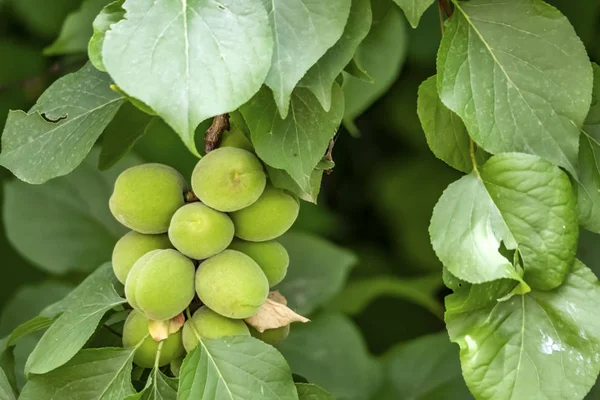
358, 294
44, 18
77, 29
75, 326
6, 391
317, 271
159, 387
331, 352
195, 59
544, 344
588, 190
7, 364
426, 368
235, 367
283, 180
35, 324
518, 76
303, 31
111, 14
92, 374
319, 79
42, 221
356, 70
297, 143
518, 199
129, 126
414, 9
381, 54
59, 131
446, 134
308, 391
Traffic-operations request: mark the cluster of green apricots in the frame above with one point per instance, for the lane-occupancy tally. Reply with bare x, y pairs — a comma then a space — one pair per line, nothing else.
215, 242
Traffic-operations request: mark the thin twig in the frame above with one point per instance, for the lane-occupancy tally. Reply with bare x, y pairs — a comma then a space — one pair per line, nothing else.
212, 138
446, 7
329, 155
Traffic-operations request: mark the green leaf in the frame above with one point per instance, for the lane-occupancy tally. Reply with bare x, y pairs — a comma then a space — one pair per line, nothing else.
194, 60
59, 131
303, 31
6, 391
358, 294
93, 374
65, 225
283, 180
77, 29
515, 198
518, 76
414, 9
34, 325
159, 387
320, 77
44, 18
7, 365
111, 14
446, 134
426, 368
297, 143
317, 271
330, 352
75, 326
381, 54
542, 345
235, 367
129, 126
308, 391
588, 189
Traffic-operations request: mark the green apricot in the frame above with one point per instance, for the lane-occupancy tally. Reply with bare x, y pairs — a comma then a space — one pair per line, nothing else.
145, 197
161, 284
236, 138
228, 179
132, 247
136, 330
268, 218
200, 232
232, 284
274, 337
209, 325
270, 256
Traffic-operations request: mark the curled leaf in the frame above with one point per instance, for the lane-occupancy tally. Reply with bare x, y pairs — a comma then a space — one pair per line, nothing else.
274, 314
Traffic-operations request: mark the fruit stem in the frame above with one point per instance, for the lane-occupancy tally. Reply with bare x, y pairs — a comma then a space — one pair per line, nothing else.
158, 351
212, 138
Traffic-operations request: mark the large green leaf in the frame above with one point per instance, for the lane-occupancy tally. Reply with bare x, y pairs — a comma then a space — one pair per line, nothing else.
518, 76
111, 14
297, 143
446, 134
414, 9
65, 224
542, 345
319, 79
93, 374
303, 31
330, 352
77, 29
308, 391
426, 368
518, 199
193, 59
588, 190
381, 54
75, 326
159, 387
235, 367
317, 271
59, 131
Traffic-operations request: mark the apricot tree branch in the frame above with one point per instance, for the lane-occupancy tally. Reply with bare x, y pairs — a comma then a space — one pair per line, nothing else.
212, 138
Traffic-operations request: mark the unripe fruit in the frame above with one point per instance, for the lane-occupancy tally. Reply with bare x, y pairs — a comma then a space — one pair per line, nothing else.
270, 256
228, 179
236, 138
209, 325
268, 218
136, 329
145, 197
232, 284
132, 247
200, 232
161, 284
274, 337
